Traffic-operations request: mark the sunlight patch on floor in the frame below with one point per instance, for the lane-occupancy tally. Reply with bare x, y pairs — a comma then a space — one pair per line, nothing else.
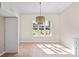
48, 51
53, 49
40, 46
48, 45
63, 48
59, 51
57, 45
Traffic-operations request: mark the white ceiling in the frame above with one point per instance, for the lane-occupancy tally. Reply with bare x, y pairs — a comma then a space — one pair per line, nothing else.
34, 7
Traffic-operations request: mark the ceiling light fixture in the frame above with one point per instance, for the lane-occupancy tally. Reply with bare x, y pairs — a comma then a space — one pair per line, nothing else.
40, 19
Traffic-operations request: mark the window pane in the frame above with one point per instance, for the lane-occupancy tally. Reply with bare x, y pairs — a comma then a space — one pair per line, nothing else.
35, 28
42, 29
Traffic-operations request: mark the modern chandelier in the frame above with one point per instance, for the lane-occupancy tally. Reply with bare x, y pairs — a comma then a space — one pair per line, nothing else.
40, 19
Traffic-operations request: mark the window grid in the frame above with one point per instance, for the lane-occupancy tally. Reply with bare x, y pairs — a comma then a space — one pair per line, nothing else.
41, 30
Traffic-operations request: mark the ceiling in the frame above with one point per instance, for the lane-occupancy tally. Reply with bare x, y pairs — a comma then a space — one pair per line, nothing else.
34, 7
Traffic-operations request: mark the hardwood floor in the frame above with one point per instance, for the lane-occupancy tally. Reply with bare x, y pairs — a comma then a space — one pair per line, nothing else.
41, 50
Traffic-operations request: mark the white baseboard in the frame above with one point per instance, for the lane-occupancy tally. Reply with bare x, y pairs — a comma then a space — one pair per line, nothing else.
11, 52
39, 42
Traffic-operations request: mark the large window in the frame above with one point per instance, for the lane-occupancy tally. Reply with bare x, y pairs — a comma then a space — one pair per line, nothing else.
41, 29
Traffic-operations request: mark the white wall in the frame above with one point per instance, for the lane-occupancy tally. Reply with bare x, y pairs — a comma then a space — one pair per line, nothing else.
26, 28
11, 34
70, 25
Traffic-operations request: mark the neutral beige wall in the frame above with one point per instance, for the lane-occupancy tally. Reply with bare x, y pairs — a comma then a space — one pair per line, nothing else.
70, 25
26, 28
1, 34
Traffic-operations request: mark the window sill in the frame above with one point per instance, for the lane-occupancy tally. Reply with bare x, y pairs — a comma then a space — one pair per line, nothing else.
41, 35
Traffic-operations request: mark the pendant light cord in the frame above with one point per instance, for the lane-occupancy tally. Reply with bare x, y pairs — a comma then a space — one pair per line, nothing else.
10, 5
40, 8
